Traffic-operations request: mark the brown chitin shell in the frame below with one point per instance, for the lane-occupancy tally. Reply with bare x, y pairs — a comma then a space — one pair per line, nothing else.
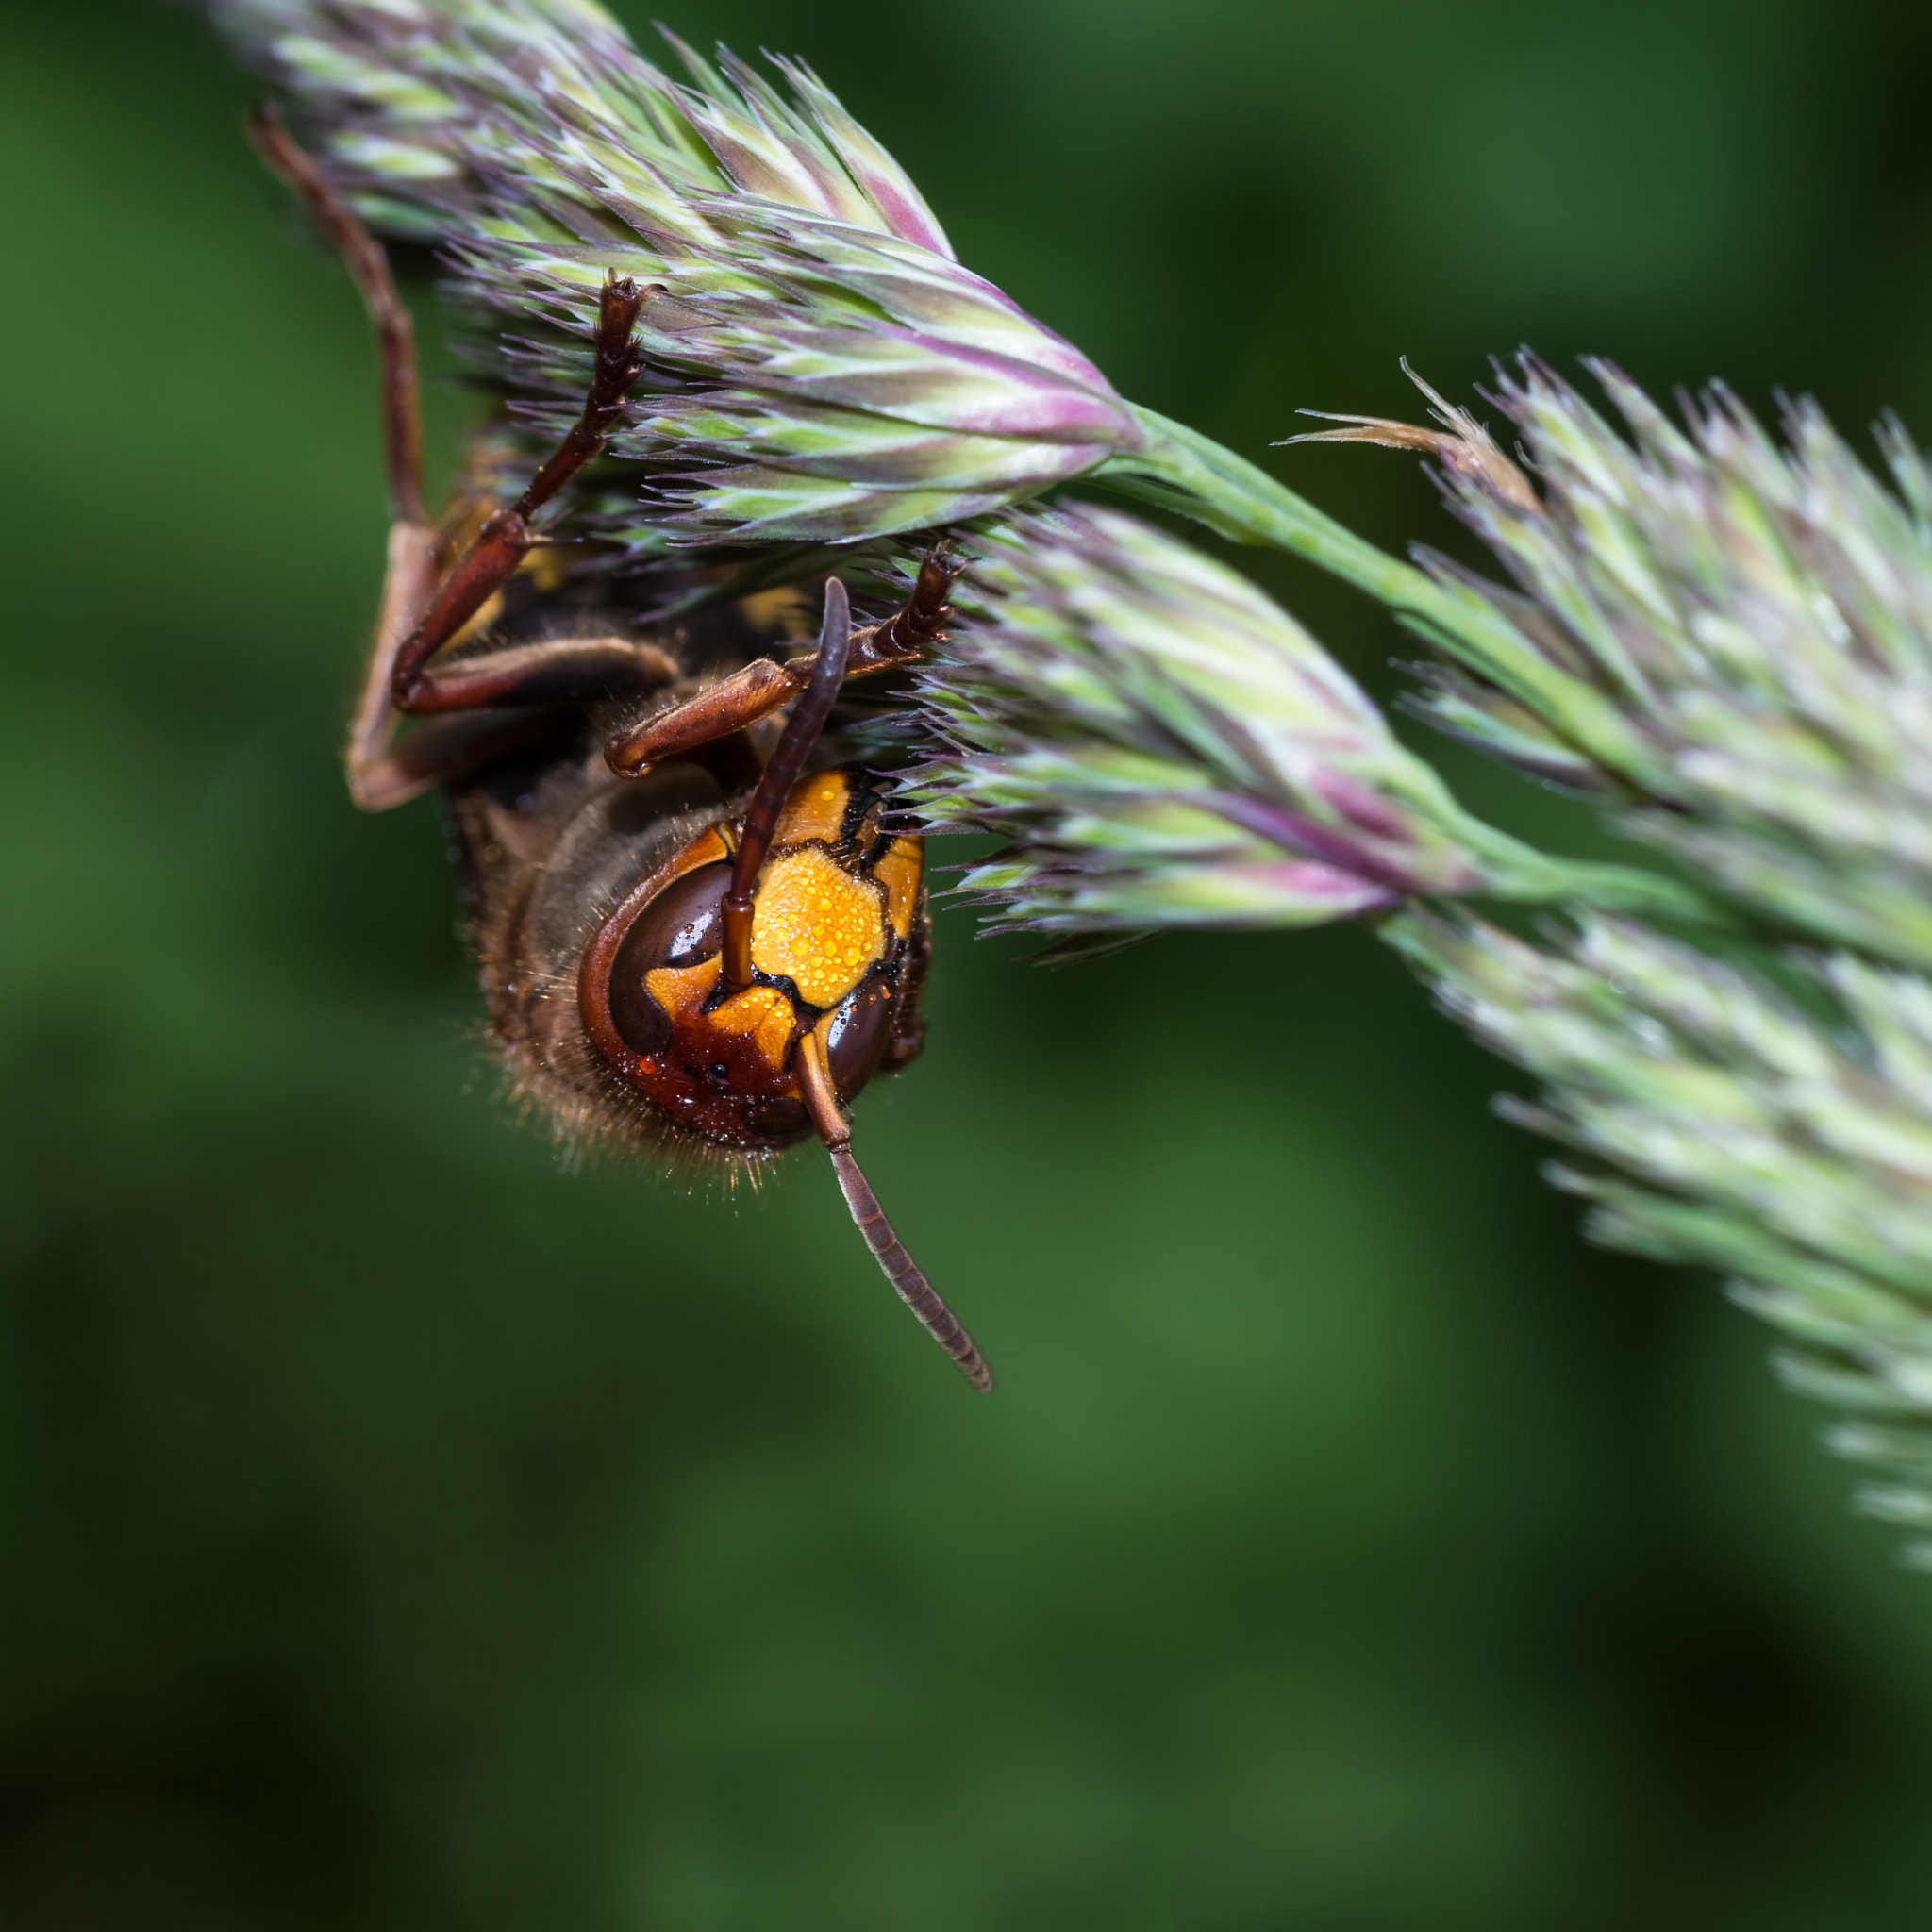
563, 859
838, 948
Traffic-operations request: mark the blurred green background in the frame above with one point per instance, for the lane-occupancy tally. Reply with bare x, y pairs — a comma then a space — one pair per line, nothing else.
395, 1532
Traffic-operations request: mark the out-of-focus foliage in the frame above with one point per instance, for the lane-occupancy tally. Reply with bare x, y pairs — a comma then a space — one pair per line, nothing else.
398, 1533
1761, 618
1725, 1124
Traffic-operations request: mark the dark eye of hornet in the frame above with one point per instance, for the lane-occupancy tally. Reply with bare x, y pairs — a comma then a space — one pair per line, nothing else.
690, 935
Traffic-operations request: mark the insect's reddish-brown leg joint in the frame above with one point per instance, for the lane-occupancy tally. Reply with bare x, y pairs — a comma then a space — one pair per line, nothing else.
763, 686
752, 691
368, 266
921, 623
505, 539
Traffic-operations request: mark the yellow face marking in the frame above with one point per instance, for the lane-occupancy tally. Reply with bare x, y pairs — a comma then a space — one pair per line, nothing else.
681, 989
899, 871
762, 1011
815, 925
814, 810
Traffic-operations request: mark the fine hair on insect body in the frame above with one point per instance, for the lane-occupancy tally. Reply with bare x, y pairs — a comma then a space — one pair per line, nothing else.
692, 933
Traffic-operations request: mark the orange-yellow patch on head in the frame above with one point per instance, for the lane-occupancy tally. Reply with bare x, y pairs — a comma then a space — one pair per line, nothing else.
899, 872
815, 925
681, 989
762, 1011
815, 808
